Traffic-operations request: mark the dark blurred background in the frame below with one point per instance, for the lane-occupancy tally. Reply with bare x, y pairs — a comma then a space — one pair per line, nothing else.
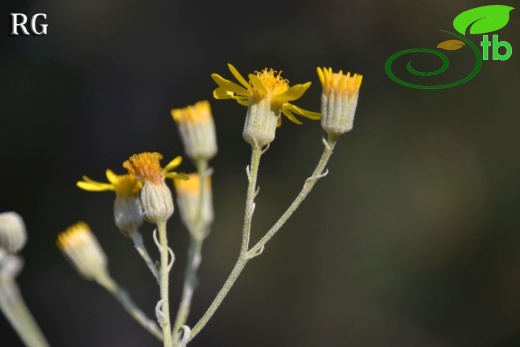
412, 240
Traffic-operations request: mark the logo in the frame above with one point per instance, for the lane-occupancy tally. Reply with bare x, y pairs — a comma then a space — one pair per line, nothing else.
479, 20
19, 20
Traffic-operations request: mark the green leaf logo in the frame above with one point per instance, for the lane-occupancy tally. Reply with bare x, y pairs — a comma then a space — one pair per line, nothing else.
482, 20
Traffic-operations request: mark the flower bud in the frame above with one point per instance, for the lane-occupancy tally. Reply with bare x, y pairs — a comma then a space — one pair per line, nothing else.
261, 121
188, 198
10, 266
128, 214
81, 247
12, 232
197, 130
156, 197
338, 100
157, 202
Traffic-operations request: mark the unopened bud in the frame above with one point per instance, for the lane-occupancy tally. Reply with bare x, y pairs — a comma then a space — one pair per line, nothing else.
338, 100
128, 213
82, 248
197, 215
197, 130
12, 232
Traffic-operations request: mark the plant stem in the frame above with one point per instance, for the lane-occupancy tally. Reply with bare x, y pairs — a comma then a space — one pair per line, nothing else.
239, 266
246, 255
197, 236
129, 305
243, 258
141, 249
307, 187
202, 168
190, 283
165, 297
14, 308
256, 153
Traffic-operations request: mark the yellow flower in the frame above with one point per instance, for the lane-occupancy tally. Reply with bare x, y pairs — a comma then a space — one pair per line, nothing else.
197, 130
339, 83
197, 218
265, 84
123, 185
338, 100
156, 198
81, 246
147, 168
127, 207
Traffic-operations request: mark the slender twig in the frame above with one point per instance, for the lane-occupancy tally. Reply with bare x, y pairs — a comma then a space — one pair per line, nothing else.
165, 297
252, 174
318, 173
129, 305
141, 249
197, 236
190, 283
14, 308
245, 254
252, 171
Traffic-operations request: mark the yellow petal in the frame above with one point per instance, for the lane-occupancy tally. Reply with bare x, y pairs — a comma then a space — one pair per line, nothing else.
301, 111
238, 76
228, 85
291, 116
257, 83
173, 164
320, 75
94, 186
111, 176
295, 92
175, 175
279, 123
222, 93
243, 102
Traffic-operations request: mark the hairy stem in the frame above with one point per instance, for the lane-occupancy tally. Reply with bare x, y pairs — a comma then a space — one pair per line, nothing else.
252, 174
165, 295
17, 313
141, 249
129, 305
318, 173
190, 283
197, 236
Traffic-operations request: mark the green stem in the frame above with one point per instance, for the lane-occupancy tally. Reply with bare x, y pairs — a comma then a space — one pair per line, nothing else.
141, 249
256, 153
165, 297
318, 173
202, 168
197, 236
239, 266
128, 304
14, 308
243, 258
190, 283
246, 255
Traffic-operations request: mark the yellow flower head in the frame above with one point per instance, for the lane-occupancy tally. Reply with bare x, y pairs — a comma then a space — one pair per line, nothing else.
124, 185
196, 214
338, 100
266, 84
147, 168
191, 186
80, 245
73, 235
197, 130
200, 112
339, 83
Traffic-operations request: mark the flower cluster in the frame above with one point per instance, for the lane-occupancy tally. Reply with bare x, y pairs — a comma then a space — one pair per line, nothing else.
142, 193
